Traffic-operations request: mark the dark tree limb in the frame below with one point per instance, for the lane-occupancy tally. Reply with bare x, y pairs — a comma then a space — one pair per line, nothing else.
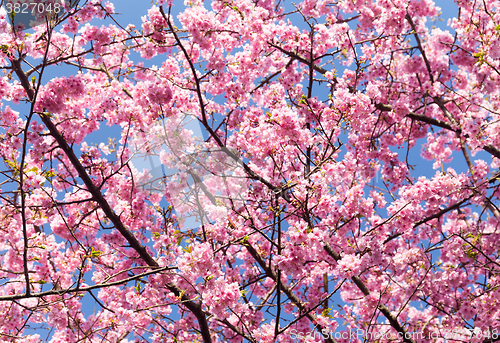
393, 321
285, 289
98, 197
431, 121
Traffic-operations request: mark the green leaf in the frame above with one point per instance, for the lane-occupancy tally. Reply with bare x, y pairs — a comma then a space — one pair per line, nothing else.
480, 57
11, 164
472, 254
326, 313
49, 174
95, 253
303, 100
244, 240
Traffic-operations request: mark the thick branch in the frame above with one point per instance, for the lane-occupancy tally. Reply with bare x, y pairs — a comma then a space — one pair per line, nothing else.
492, 150
96, 193
382, 308
386, 108
97, 196
419, 43
289, 293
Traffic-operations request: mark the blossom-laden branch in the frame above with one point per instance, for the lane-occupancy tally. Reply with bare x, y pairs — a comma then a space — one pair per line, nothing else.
97, 196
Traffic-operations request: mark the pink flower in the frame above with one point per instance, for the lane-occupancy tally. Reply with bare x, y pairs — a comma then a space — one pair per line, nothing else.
160, 94
348, 266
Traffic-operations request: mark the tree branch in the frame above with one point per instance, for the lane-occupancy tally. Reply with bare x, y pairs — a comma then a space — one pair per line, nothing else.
97, 196
382, 308
386, 108
289, 293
